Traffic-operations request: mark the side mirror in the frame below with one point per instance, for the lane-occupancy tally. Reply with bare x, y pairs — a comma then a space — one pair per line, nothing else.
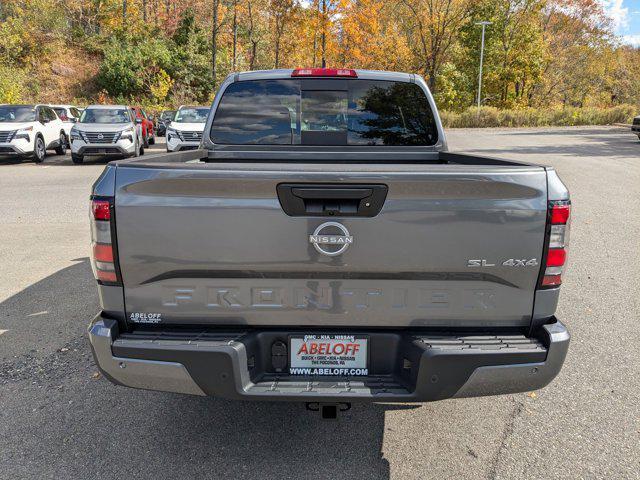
46, 120
139, 121
73, 120
167, 122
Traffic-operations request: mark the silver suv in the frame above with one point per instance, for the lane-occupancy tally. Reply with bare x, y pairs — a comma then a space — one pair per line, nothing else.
185, 130
106, 130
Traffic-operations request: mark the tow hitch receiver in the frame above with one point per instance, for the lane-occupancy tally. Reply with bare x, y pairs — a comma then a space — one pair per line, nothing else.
328, 411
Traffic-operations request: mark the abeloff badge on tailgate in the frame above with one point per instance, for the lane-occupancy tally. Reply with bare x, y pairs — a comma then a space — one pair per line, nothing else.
331, 238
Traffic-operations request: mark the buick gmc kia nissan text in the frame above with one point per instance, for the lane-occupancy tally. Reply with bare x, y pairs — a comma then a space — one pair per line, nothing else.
323, 246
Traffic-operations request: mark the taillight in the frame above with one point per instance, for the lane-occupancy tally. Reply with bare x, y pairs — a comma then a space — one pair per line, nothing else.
324, 72
101, 209
103, 256
559, 218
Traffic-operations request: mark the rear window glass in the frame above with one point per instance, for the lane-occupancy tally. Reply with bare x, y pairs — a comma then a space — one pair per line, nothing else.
324, 112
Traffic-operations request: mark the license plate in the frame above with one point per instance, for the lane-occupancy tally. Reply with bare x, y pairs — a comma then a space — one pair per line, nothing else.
345, 355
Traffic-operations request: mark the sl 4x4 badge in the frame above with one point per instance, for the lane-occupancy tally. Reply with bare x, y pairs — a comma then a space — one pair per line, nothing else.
512, 262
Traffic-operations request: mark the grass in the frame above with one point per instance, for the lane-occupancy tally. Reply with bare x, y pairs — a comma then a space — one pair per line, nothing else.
536, 117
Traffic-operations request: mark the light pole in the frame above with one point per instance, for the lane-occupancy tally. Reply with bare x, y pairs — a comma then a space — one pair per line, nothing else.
484, 24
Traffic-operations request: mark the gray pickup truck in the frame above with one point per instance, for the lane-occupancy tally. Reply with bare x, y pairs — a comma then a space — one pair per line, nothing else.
323, 246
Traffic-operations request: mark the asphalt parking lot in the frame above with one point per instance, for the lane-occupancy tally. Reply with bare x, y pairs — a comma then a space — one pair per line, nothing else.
57, 420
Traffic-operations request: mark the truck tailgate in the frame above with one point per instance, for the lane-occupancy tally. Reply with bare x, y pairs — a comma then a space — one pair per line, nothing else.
453, 245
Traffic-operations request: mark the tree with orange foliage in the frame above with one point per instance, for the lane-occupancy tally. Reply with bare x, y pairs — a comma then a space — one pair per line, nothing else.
432, 27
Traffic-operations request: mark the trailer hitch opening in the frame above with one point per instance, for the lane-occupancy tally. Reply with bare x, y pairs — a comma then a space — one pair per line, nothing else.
328, 411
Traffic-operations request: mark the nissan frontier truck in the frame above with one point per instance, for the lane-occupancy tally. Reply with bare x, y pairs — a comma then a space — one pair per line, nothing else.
323, 246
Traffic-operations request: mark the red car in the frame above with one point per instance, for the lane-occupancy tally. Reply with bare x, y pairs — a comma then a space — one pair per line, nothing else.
148, 132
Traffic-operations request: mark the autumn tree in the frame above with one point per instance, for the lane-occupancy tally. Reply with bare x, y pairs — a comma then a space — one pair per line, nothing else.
281, 12
577, 36
538, 52
432, 27
370, 36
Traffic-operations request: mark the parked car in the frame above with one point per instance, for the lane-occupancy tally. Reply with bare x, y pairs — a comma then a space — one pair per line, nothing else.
635, 127
69, 115
31, 130
185, 131
148, 129
164, 120
314, 252
107, 130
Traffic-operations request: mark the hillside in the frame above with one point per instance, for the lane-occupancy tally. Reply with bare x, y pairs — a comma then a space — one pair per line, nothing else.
539, 54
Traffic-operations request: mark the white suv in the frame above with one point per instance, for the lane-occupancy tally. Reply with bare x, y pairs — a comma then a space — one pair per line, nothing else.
184, 132
30, 130
69, 116
106, 130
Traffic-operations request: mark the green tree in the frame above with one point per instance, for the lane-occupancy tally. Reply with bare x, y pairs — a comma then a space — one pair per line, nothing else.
514, 50
131, 65
191, 60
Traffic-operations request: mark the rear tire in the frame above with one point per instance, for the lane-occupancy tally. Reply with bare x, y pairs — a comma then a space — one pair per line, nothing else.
39, 150
145, 143
77, 159
62, 148
152, 141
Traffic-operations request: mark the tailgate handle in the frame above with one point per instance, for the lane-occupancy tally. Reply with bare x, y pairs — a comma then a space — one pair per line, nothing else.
340, 200
331, 193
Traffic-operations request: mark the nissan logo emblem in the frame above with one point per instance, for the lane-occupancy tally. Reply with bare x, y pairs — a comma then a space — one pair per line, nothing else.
327, 239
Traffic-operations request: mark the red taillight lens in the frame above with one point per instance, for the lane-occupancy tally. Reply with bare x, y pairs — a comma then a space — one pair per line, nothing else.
560, 213
103, 258
104, 276
556, 257
324, 72
551, 280
101, 209
102, 253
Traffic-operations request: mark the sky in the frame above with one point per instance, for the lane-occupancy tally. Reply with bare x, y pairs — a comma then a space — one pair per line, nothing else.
626, 19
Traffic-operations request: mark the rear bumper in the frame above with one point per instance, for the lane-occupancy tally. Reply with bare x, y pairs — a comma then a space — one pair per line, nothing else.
404, 366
